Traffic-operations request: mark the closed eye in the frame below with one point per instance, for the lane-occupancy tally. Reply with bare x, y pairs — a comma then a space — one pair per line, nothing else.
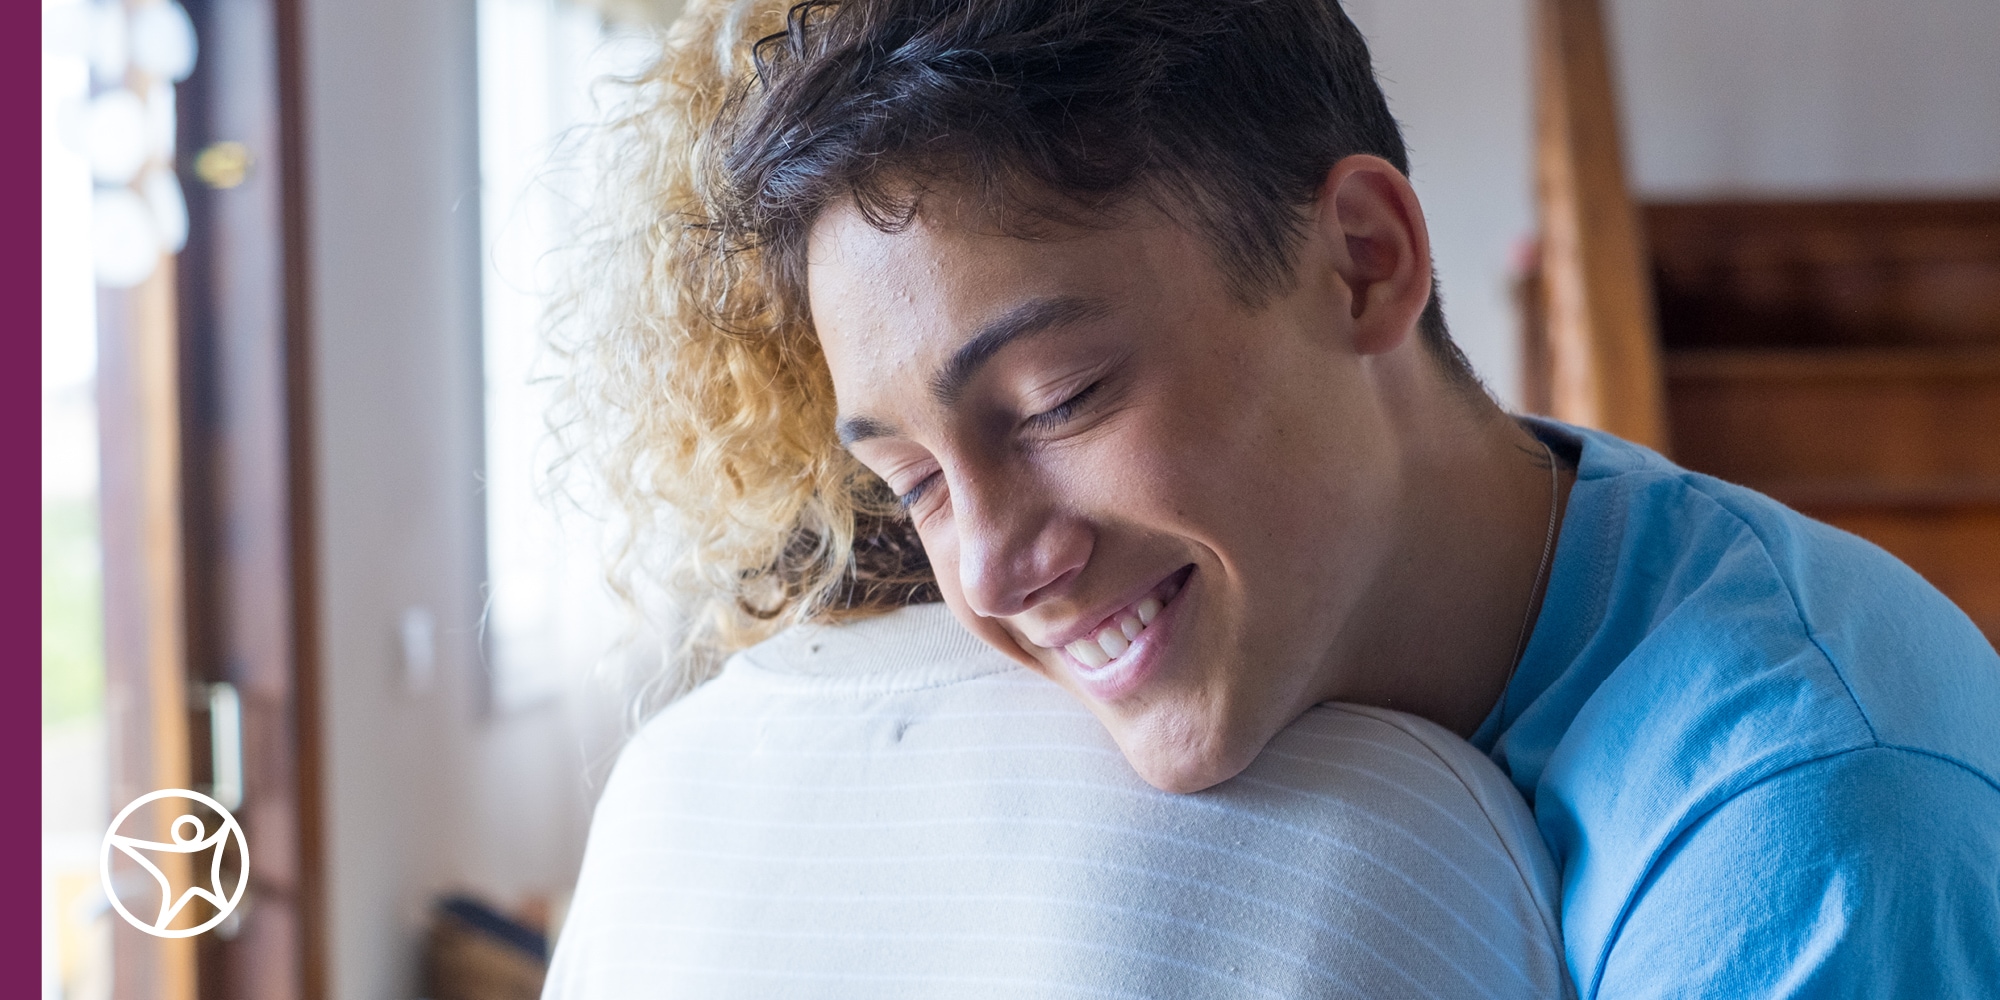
915, 493
1064, 411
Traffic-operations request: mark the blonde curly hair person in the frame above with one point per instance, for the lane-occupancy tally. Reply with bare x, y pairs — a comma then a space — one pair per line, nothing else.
699, 400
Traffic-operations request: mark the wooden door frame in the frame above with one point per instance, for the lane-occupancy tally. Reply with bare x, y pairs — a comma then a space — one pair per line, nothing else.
139, 511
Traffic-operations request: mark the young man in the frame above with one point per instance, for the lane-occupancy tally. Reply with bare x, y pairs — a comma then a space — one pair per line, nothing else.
1131, 304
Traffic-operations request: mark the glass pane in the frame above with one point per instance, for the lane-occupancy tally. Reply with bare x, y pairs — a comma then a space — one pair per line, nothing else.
76, 920
550, 617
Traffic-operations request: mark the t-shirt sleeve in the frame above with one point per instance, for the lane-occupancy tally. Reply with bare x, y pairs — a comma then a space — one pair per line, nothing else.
1873, 873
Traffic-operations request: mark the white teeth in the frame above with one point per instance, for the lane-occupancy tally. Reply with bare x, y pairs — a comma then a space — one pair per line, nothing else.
1089, 652
1148, 609
1113, 643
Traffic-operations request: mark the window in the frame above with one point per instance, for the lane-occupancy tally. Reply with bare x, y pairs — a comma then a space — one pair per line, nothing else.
549, 614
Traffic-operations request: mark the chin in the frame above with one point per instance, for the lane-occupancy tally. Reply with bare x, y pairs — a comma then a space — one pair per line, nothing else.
1181, 758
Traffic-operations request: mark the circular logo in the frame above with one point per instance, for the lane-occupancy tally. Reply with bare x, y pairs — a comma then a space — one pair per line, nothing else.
189, 836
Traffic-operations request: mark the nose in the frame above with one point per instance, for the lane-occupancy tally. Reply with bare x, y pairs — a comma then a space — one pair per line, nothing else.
1016, 547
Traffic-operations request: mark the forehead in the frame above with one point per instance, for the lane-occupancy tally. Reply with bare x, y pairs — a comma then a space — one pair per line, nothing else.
892, 306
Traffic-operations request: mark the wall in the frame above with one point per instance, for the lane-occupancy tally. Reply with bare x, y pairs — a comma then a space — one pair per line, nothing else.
425, 789
1456, 74
1782, 97
1804, 97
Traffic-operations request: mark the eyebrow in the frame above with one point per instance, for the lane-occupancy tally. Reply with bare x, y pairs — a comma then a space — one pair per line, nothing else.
853, 429
1024, 320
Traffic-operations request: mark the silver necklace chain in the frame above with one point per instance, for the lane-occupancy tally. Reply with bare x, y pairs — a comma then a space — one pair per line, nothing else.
1548, 549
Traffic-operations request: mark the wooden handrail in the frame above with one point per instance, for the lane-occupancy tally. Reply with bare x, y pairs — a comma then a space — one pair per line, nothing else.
1595, 295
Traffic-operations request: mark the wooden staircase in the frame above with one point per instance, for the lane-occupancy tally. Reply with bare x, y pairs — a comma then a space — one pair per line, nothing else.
1841, 356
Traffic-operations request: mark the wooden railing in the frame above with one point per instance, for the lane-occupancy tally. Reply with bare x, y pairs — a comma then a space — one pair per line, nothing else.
1592, 290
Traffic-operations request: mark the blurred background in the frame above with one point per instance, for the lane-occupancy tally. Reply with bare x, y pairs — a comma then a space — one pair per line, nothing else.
297, 548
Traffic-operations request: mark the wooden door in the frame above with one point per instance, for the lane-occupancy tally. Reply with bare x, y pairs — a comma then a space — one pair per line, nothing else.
249, 594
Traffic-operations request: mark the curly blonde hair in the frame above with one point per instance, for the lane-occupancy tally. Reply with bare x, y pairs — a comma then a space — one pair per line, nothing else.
699, 398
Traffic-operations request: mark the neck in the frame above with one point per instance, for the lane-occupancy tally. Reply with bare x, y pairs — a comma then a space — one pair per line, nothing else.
1441, 629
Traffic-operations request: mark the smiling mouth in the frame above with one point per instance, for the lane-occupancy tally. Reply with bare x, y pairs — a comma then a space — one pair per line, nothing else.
1124, 628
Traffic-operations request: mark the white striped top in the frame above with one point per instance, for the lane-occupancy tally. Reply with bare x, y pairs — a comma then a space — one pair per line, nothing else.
891, 809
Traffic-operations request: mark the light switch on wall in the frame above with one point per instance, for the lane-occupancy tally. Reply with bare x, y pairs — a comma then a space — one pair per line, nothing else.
419, 641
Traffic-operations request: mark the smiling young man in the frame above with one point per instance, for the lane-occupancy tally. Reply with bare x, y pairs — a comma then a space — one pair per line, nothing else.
1131, 304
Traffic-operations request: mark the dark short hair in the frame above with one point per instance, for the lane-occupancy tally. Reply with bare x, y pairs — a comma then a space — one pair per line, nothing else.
1235, 110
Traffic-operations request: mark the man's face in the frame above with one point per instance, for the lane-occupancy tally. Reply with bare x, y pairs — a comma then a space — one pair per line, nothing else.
1164, 500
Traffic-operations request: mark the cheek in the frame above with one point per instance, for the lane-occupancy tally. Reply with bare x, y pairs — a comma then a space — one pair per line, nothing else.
941, 548
1258, 468
1188, 464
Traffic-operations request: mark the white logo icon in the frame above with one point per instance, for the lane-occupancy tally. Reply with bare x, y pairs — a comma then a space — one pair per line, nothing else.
190, 836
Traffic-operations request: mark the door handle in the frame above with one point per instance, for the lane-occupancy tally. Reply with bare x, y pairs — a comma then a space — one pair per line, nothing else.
225, 743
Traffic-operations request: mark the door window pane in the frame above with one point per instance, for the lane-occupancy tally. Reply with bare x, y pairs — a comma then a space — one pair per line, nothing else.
76, 928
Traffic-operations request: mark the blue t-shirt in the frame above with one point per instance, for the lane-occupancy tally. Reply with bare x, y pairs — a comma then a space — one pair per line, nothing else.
1765, 753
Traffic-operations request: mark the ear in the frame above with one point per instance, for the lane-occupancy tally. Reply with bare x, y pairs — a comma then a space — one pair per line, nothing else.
1369, 221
